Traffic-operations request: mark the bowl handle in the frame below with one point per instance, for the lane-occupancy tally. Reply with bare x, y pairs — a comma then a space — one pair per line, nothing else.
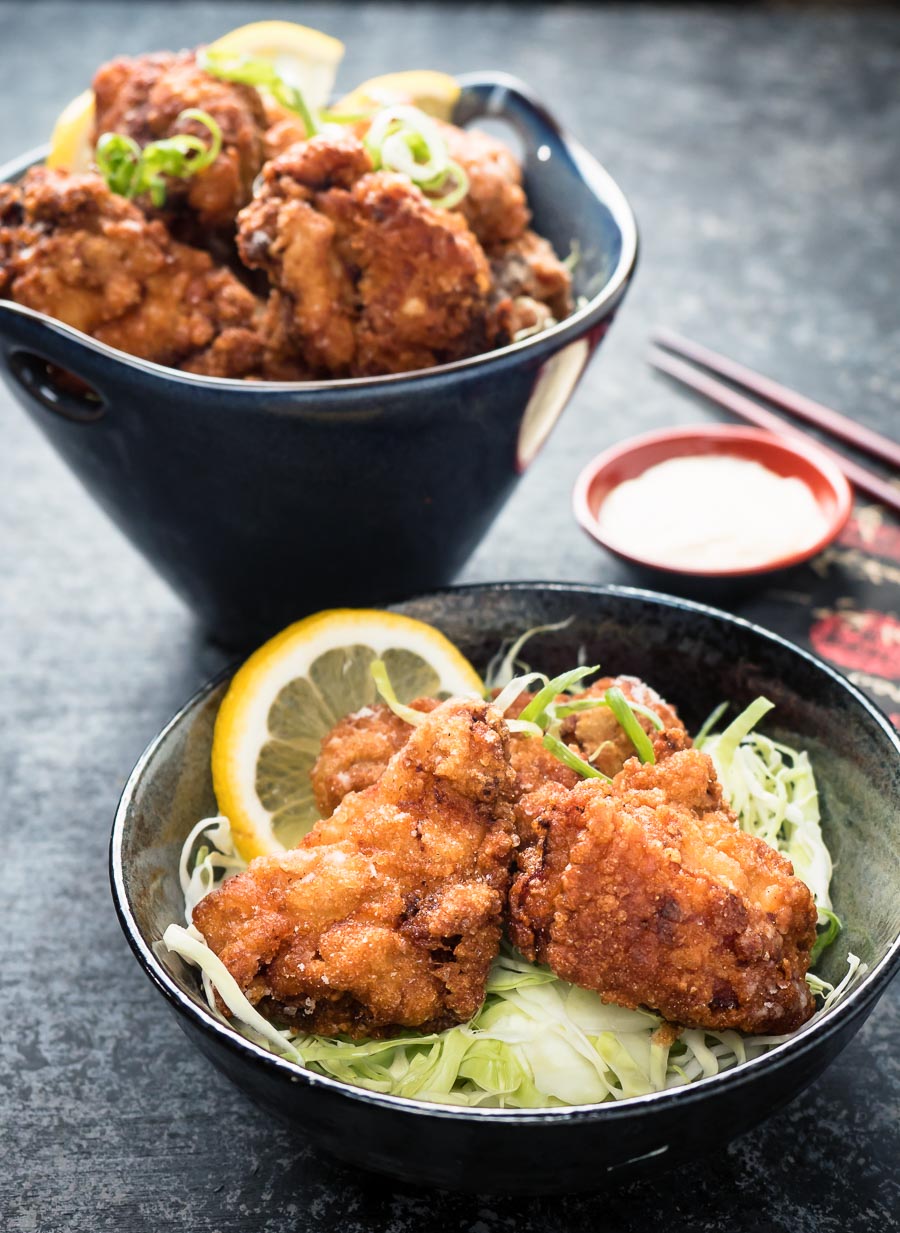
504, 97
53, 364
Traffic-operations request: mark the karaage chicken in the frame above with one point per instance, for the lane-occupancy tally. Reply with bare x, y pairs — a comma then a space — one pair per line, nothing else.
355, 753
71, 248
369, 276
143, 96
646, 891
287, 257
388, 915
495, 205
532, 287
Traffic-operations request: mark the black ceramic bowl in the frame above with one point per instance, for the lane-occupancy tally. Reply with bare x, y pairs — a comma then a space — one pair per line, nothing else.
259, 501
696, 657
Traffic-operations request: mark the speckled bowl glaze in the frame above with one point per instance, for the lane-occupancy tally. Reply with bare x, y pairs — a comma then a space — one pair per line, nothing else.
259, 501
696, 656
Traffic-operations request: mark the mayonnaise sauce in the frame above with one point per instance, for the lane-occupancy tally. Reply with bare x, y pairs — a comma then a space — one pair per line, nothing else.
710, 512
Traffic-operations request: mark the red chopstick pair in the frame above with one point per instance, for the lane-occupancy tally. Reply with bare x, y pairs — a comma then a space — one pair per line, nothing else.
668, 346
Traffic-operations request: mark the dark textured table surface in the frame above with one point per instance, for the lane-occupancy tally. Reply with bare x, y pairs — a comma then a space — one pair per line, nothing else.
760, 152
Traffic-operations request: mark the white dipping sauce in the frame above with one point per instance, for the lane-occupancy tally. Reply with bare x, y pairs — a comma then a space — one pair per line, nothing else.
710, 512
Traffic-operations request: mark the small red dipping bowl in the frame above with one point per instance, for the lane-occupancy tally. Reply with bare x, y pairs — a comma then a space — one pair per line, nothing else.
632, 458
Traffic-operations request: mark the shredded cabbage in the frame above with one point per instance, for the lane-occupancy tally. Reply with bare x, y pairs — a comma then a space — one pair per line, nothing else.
537, 1041
502, 667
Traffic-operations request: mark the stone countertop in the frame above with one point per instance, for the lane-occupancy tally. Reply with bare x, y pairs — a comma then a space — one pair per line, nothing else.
759, 149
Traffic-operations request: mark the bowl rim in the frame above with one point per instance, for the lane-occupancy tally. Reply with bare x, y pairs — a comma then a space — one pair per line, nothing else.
810, 452
584, 318
855, 1004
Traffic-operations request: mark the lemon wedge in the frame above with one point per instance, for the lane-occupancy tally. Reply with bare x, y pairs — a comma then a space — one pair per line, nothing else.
304, 58
71, 148
292, 690
432, 92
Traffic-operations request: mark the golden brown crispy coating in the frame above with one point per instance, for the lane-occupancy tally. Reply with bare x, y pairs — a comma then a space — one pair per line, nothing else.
355, 753
534, 765
142, 97
646, 891
388, 914
91, 259
495, 206
15, 233
369, 276
532, 287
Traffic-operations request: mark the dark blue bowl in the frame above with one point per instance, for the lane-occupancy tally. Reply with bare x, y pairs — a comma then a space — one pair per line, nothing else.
697, 657
260, 501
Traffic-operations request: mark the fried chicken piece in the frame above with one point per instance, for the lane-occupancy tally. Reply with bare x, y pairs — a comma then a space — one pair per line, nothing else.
388, 914
143, 96
534, 765
283, 132
532, 287
646, 891
369, 277
237, 352
15, 233
76, 251
495, 206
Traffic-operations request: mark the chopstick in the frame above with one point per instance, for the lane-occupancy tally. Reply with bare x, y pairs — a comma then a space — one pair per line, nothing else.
837, 425
746, 409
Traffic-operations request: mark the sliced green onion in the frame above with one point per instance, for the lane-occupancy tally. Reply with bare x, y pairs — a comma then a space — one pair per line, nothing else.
571, 759
536, 710
131, 171
709, 723
404, 139
261, 73
410, 136
118, 158
383, 684
205, 156
621, 708
454, 195
823, 941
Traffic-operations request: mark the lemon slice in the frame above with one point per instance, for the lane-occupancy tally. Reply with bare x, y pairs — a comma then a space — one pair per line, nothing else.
306, 59
71, 148
432, 92
293, 690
